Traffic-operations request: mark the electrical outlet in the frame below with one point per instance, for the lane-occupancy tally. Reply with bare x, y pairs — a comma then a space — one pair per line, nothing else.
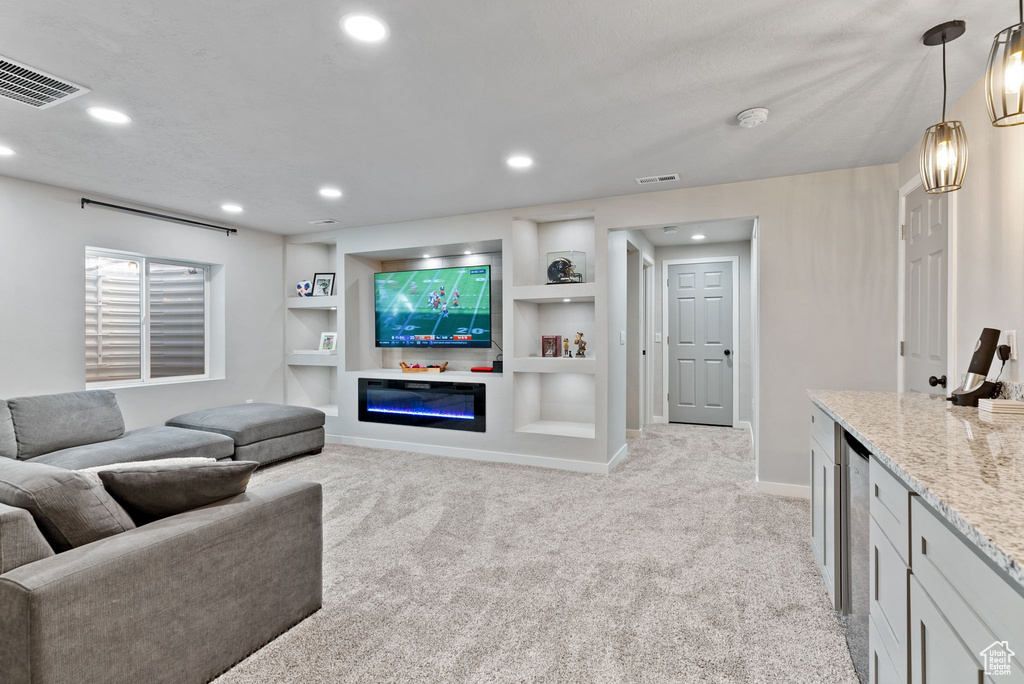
622, 337
657, 337
1010, 338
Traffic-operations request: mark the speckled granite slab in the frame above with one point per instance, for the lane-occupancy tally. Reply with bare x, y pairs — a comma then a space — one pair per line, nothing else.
969, 469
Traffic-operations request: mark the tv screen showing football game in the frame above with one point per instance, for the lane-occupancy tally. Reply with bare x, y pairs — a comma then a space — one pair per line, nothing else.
436, 307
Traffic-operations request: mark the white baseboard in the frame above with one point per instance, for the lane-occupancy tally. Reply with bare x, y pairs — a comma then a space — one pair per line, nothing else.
662, 420
617, 459
745, 425
634, 433
480, 455
783, 489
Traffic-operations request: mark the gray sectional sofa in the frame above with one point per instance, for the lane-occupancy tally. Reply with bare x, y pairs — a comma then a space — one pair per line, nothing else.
85, 429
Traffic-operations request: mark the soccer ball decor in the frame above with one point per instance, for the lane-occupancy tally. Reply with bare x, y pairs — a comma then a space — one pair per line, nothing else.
304, 288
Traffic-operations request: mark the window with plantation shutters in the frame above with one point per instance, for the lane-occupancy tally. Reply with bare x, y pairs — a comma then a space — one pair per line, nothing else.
146, 319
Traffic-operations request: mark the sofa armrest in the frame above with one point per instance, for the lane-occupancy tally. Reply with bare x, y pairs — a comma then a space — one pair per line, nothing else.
179, 600
21, 541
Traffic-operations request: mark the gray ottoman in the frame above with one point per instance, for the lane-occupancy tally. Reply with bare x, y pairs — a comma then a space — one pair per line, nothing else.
262, 432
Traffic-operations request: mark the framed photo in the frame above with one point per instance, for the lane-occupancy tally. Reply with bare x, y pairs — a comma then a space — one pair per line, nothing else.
323, 284
549, 346
328, 341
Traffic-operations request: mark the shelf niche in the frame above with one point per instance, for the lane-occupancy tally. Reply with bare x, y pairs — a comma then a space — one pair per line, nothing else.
531, 321
559, 404
531, 242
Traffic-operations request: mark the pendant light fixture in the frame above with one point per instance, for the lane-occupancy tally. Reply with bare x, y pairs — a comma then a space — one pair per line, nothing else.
1004, 80
944, 148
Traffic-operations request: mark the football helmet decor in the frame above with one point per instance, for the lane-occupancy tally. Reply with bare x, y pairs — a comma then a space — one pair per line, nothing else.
561, 270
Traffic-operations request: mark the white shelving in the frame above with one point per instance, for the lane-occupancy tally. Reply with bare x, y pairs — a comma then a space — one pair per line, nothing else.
540, 364
550, 294
447, 376
561, 428
315, 303
312, 359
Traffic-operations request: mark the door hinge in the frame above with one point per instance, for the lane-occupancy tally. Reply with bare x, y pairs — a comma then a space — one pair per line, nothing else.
901, 348
903, 231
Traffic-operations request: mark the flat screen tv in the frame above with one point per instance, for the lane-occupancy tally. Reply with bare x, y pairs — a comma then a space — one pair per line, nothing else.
434, 307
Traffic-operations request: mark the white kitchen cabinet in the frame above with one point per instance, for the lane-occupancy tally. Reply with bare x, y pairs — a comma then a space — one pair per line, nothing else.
937, 653
825, 502
888, 585
882, 670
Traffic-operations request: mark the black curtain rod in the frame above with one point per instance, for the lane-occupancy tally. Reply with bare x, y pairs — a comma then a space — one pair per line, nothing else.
177, 219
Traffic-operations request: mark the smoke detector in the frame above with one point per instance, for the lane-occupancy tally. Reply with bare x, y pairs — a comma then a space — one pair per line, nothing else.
749, 118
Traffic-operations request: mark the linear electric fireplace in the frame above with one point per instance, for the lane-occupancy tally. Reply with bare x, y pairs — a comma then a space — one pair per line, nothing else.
447, 405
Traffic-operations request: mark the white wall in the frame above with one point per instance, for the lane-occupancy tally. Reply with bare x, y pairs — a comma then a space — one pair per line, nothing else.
990, 227
43, 236
745, 358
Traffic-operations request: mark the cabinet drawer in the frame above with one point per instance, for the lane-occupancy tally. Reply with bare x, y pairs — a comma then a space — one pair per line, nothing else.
882, 671
890, 507
979, 602
824, 429
890, 608
937, 653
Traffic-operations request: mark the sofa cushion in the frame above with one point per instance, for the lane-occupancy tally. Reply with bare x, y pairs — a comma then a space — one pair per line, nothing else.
144, 444
21, 542
8, 445
249, 423
57, 421
158, 490
70, 509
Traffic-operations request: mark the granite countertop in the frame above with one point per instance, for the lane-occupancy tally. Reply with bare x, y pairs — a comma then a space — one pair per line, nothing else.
969, 469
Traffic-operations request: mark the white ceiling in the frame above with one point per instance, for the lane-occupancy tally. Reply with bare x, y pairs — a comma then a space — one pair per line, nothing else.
728, 230
263, 102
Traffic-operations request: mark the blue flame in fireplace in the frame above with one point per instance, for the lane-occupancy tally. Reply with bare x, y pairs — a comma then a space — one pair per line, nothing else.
419, 412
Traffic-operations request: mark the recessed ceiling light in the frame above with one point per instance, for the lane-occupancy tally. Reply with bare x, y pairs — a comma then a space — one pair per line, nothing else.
699, 236
468, 252
330, 192
426, 256
6, 151
519, 161
364, 27
566, 300
109, 115
231, 208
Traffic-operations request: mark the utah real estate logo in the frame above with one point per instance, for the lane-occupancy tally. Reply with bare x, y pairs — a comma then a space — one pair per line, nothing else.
997, 658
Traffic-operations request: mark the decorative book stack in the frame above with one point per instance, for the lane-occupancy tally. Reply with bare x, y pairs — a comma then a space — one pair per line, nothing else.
1004, 407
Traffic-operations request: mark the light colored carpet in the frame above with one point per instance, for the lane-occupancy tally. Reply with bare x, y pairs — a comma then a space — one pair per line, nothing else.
671, 569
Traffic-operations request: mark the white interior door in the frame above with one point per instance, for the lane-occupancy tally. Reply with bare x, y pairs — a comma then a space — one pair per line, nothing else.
700, 343
925, 291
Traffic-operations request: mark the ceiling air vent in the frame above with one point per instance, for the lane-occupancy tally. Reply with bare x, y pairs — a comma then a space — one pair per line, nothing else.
323, 222
648, 180
35, 88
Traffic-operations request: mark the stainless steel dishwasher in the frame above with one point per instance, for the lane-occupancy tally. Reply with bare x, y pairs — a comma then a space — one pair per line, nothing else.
855, 551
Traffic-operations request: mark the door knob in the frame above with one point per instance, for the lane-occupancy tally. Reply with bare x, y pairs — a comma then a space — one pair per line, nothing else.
933, 381
727, 352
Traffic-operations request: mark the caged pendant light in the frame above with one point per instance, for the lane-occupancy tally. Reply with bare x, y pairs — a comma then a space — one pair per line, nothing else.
944, 148
1004, 80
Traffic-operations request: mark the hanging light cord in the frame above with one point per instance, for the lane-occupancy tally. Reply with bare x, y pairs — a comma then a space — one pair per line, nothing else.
944, 76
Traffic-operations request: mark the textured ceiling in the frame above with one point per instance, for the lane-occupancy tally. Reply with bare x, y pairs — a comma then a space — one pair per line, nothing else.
730, 230
263, 102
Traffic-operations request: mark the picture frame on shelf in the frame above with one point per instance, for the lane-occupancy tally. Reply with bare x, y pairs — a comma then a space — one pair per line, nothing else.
549, 346
328, 342
323, 284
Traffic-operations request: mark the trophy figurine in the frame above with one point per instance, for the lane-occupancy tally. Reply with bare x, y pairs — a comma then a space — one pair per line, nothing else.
566, 354
581, 346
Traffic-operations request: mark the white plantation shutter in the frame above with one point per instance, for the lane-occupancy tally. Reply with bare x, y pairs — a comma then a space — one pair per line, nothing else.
144, 319
177, 320
113, 319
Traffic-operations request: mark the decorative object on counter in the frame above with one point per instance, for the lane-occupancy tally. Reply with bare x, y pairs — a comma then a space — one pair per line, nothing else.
581, 346
944, 148
549, 345
323, 284
976, 385
566, 267
417, 368
1001, 406
1004, 80
328, 341
566, 353
481, 369
304, 288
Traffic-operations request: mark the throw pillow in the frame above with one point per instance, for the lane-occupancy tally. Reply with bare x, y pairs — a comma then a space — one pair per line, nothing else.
161, 489
68, 507
93, 473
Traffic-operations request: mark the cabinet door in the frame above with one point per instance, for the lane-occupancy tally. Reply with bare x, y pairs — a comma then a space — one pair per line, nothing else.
823, 517
937, 653
882, 671
888, 585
